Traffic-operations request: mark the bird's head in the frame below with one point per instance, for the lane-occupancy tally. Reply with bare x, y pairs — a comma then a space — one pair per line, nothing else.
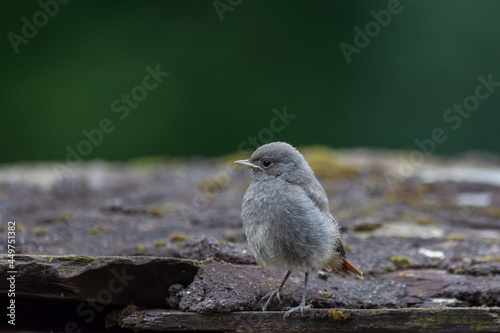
278, 159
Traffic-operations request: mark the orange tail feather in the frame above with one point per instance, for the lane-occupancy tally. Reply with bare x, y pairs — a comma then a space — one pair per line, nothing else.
348, 268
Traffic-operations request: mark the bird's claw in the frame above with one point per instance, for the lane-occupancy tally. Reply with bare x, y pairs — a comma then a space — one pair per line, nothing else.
270, 297
300, 308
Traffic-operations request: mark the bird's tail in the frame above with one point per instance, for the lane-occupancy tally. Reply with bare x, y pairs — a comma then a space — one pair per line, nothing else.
346, 268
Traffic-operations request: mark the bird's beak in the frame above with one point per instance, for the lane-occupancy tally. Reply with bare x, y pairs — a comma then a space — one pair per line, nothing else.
246, 163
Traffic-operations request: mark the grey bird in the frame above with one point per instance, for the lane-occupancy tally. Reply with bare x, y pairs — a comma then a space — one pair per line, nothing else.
287, 220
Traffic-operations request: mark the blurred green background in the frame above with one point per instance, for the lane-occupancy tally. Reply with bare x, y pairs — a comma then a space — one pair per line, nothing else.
232, 65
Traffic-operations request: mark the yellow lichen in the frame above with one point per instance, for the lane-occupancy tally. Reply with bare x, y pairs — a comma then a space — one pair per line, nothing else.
156, 212
338, 315
401, 261
367, 226
492, 240
491, 259
65, 217
458, 238
326, 294
425, 220
40, 232
100, 228
179, 237
104, 228
492, 211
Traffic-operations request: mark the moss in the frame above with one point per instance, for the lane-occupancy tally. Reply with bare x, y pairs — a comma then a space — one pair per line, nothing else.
491, 259
40, 232
169, 207
222, 241
326, 164
347, 247
104, 228
367, 226
492, 211
458, 238
326, 294
129, 310
141, 248
20, 227
401, 261
177, 238
401, 258
159, 243
2, 228
100, 228
426, 220
65, 217
492, 240
156, 212
233, 239
338, 315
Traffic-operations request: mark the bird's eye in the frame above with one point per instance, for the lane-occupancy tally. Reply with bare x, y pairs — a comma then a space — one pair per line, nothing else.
266, 163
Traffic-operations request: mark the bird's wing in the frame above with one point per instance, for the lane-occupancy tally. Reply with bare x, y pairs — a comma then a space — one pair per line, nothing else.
317, 194
341, 248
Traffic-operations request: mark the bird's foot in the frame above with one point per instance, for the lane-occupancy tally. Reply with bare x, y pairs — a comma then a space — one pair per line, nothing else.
300, 308
271, 296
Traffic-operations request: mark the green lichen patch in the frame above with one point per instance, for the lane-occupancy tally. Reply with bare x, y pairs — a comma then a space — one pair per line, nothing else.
401, 262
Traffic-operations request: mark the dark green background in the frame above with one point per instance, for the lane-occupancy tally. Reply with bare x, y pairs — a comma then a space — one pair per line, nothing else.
227, 76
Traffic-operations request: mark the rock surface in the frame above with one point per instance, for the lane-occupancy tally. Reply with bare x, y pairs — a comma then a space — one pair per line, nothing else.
426, 235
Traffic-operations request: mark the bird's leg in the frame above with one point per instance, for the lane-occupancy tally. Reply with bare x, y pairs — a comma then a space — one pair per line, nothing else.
273, 293
302, 305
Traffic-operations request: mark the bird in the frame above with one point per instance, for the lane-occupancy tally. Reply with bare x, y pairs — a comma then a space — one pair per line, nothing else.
287, 221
